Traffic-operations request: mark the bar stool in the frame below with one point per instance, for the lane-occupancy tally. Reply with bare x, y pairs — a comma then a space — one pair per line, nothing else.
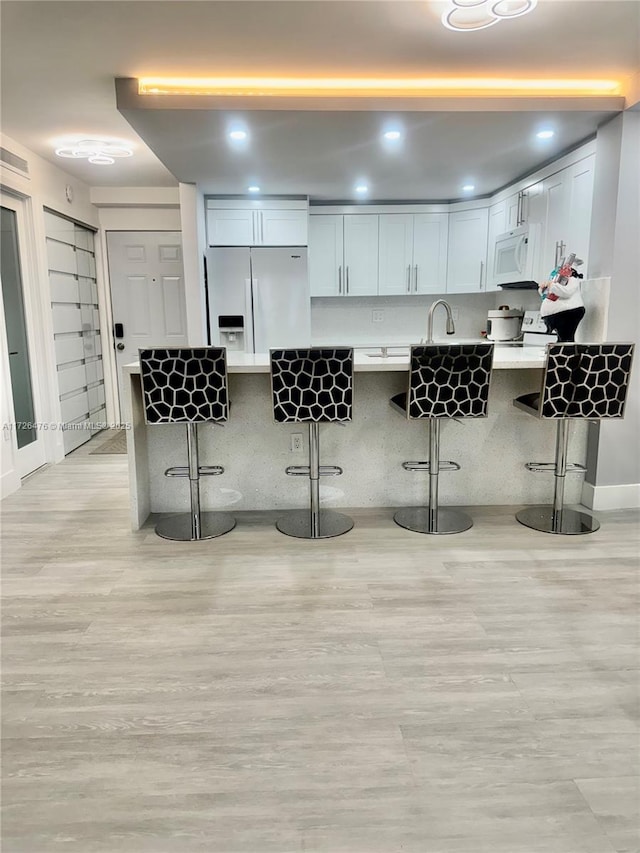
185, 385
313, 386
445, 381
580, 381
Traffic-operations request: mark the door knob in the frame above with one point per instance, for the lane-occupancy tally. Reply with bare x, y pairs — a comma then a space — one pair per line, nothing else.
120, 347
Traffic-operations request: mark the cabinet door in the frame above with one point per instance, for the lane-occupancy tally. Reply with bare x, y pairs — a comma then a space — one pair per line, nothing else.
361, 254
396, 254
230, 227
326, 266
512, 206
430, 243
497, 225
579, 183
467, 251
282, 227
555, 219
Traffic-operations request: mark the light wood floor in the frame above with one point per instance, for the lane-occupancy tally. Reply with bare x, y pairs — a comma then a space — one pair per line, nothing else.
384, 692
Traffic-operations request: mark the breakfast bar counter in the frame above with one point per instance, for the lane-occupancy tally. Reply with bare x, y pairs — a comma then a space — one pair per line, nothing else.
254, 450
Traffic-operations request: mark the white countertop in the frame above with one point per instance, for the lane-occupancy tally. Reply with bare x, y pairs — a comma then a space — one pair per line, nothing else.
504, 358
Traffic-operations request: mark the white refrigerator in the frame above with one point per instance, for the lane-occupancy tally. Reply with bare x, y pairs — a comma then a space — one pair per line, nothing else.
258, 298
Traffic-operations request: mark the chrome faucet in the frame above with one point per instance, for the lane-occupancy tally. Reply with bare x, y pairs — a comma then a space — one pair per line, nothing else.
450, 326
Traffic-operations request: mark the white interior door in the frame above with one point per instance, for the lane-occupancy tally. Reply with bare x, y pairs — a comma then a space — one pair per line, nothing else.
20, 319
147, 292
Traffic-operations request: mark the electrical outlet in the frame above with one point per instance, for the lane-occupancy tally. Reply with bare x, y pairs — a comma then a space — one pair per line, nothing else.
297, 444
377, 316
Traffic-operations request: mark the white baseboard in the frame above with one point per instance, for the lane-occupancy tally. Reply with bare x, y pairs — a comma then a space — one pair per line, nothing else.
611, 497
9, 483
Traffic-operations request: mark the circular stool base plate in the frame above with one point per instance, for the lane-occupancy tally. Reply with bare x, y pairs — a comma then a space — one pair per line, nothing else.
298, 523
570, 521
178, 527
416, 518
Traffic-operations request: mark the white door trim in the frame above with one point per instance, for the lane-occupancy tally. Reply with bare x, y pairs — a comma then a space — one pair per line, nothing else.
29, 458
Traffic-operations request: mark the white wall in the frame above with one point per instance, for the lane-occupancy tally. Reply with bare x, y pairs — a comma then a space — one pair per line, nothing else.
614, 450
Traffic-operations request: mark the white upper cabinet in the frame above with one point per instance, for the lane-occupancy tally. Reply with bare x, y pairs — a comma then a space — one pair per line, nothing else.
343, 254
326, 255
564, 209
466, 271
282, 227
413, 253
396, 254
233, 225
430, 245
230, 227
360, 255
498, 214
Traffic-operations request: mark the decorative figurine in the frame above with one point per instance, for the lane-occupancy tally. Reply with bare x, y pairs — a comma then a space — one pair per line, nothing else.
562, 306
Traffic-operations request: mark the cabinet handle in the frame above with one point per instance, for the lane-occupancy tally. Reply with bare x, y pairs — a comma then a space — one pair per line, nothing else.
409, 279
261, 214
519, 208
340, 280
481, 272
347, 268
416, 277
256, 231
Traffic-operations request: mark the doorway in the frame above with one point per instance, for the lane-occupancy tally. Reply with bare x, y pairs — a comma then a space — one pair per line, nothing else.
20, 319
147, 293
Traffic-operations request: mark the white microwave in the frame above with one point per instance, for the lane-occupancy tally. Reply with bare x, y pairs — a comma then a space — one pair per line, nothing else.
514, 255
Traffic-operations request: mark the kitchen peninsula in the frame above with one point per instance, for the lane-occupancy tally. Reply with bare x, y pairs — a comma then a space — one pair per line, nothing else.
254, 450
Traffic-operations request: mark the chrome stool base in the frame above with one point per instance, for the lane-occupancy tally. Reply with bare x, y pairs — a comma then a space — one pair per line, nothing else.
181, 529
566, 521
298, 523
421, 520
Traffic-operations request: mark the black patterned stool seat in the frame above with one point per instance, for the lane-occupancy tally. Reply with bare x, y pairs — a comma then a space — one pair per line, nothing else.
580, 381
313, 386
445, 381
188, 385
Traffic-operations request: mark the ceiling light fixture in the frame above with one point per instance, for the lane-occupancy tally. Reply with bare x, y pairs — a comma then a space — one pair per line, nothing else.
99, 152
367, 87
545, 134
471, 15
392, 135
253, 189
362, 188
467, 188
238, 135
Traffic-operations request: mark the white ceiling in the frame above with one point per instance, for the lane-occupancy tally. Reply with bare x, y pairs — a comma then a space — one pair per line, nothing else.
59, 61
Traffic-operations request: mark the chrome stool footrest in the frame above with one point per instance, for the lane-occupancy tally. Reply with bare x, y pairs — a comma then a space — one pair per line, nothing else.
203, 471
426, 466
305, 471
550, 467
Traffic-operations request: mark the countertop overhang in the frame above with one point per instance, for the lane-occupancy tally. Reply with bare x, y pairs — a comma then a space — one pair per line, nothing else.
504, 358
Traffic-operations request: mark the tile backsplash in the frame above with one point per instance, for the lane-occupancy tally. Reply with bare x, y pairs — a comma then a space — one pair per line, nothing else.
403, 319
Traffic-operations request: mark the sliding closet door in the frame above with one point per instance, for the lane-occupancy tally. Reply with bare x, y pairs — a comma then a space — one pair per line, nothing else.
76, 328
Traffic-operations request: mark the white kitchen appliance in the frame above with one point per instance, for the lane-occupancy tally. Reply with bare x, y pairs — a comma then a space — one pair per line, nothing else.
258, 298
534, 330
515, 255
504, 323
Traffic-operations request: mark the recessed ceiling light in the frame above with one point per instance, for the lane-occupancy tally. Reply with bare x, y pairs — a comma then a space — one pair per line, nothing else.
362, 188
253, 189
545, 134
467, 188
392, 135
238, 135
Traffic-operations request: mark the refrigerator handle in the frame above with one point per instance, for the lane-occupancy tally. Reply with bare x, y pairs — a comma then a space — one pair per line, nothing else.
249, 314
